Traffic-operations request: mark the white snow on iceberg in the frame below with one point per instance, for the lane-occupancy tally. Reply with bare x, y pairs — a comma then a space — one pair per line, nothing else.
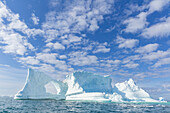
81, 86
40, 86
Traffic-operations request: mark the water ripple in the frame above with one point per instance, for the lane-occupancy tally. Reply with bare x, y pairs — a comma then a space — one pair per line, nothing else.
9, 105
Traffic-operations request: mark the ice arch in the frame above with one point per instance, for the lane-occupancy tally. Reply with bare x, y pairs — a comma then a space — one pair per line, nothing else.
52, 88
40, 86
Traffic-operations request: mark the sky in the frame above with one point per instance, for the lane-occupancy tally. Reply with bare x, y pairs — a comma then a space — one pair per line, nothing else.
121, 38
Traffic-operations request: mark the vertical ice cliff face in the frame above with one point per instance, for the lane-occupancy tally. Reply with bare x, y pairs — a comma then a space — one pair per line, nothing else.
131, 92
80, 82
40, 86
87, 86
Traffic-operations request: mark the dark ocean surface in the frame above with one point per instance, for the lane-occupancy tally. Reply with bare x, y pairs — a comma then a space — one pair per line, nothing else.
9, 105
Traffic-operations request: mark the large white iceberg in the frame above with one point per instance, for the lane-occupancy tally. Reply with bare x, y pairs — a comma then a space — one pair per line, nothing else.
40, 86
81, 86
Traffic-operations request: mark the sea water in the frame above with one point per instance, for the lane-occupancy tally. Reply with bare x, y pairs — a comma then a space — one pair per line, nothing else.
9, 105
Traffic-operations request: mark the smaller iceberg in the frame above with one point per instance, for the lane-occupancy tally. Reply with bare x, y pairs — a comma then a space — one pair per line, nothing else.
161, 99
40, 86
131, 92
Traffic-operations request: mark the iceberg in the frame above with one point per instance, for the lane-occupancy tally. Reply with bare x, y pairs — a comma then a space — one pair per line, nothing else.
40, 86
82, 86
131, 92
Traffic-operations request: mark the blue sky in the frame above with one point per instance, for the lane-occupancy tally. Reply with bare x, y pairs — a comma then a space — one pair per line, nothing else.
123, 39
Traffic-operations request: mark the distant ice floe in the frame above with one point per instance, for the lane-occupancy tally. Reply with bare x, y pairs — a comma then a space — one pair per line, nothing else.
82, 86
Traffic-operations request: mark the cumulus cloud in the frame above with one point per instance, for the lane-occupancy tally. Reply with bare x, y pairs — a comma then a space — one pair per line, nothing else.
47, 57
131, 65
68, 39
137, 23
140, 76
126, 43
62, 56
148, 48
112, 64
50, 58
77, 17
46, 68
166, 86
82, 59
162, 62
29, 60
56, 45
35, 19
157, 5
13, 41
156, 55
101, 49
158, 30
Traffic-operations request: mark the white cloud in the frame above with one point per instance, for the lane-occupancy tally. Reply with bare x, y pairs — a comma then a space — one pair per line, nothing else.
35, 19
137, 23
29, 60
131, 59
51, 59
113, 61
131, 65
148, 48
46, 68
62, 56
112, 64
156, 55
17, 24
56, 45
126, 43
4, 65
77, 16
166, 86
68, 39
14, 32
140, 76
73, 38
14, 43
157, 5
158, 30
101, 49
82, 59
162, 62
47, 57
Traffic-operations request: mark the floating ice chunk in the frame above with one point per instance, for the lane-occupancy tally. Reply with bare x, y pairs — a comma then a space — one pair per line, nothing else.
114, 97
161, 99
